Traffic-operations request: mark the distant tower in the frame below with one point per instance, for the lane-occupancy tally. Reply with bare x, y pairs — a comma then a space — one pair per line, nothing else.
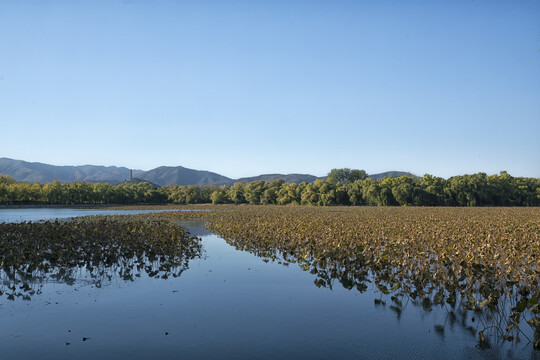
130, 174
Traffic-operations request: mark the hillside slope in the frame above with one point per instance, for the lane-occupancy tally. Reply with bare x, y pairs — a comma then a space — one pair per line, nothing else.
24, 171
44, 173
289, 178
391, 174
178, 175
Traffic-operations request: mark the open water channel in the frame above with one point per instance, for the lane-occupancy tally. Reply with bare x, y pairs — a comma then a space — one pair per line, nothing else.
228, 304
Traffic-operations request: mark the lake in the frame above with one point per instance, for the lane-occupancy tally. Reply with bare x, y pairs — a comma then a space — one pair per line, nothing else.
226, 304
45, 213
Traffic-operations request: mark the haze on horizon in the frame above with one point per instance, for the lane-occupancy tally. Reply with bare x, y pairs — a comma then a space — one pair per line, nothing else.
244, 88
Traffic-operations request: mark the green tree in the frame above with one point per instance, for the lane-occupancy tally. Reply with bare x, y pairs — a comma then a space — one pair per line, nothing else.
356, 191
327, 194
404, 194
193, 194
218, 197
346, 176
6, 179
288, 194
311, 193
206, 192
235, 193
254, 191
269, 196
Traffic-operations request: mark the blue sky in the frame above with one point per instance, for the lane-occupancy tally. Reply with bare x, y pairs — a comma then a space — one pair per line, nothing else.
249, 87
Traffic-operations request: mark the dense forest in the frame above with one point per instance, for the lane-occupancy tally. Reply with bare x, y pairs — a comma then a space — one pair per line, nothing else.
342, 187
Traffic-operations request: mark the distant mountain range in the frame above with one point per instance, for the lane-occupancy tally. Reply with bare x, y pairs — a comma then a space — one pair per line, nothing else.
24, 171
43, 173
289, 178
178, 175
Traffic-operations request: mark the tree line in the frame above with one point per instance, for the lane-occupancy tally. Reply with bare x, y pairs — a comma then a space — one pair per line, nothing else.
341, 187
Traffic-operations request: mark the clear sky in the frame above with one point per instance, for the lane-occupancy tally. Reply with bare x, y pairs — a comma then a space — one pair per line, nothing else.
249, 87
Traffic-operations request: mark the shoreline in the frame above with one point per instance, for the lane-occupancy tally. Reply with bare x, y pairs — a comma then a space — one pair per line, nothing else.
55, 206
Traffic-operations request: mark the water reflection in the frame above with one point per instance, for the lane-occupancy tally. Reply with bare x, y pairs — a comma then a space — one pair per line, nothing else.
92, 250
488, 324
195, 227
9, 214
230, 304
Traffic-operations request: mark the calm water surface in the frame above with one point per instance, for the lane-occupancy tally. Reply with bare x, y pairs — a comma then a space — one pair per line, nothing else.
35, 214
228, 304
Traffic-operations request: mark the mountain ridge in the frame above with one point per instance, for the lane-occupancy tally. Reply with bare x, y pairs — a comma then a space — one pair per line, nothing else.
24, 171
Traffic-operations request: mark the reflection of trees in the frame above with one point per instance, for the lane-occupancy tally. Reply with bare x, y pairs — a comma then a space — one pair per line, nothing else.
479, 306
94, 250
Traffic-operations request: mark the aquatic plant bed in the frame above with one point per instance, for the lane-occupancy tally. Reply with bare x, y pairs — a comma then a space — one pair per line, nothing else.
94, 248
485, 260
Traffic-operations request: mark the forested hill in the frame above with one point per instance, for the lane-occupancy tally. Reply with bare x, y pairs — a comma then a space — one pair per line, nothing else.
289, 178
391, 174
299, 178
178, 175
23, 171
